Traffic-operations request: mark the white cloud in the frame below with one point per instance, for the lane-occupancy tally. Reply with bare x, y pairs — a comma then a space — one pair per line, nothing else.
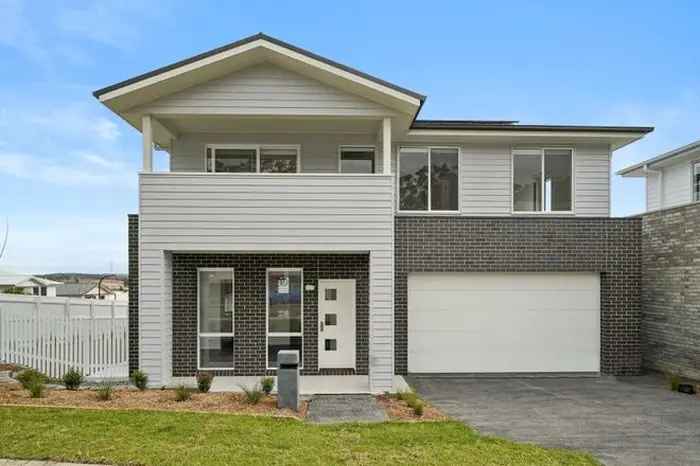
106, 129
71, 171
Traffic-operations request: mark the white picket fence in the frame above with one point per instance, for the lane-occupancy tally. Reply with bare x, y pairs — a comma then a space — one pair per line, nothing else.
53, 335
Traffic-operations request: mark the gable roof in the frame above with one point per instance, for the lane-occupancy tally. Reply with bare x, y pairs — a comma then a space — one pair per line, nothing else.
638, 168
259, 36
251, 50
15, 279
78, 289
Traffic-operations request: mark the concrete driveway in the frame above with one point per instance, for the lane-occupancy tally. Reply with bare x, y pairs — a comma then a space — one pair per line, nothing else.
631, 421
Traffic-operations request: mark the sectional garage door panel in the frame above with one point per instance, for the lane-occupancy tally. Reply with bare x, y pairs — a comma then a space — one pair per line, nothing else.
496, 323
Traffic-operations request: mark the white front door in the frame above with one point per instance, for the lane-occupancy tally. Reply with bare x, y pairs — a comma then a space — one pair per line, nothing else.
336, 326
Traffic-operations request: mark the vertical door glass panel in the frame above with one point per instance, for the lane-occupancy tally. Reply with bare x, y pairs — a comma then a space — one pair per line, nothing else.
557, 180
444, 179
696, 179
356, 160
276, 160
275, 344
331, 319
216, 352
527, 183
413, 179
209, 160
236, 160
330, 344
284, 307
216, 302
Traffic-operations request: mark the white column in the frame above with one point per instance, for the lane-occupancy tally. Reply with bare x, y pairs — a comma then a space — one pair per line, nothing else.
386, 145
147, 131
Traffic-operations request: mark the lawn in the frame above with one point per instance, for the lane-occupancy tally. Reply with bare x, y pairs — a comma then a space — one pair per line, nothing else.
167, 438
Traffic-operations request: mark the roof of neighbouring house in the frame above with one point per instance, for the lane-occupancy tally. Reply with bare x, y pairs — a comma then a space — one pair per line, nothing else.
15, 279
514, 125
638, 168
78, 289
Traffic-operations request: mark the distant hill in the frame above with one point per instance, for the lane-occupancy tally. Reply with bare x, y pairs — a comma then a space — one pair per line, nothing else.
71, 277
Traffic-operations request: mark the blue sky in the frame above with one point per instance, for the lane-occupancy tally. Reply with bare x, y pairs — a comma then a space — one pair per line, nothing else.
68, 166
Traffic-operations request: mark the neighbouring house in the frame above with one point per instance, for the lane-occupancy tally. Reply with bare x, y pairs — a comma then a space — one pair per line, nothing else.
29, 284
672, 178
90, 291
670, 328
307, 207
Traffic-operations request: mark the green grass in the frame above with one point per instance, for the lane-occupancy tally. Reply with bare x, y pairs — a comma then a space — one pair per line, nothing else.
165, 438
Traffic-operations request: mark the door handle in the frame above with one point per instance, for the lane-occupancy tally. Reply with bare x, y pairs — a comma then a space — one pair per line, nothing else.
321, 325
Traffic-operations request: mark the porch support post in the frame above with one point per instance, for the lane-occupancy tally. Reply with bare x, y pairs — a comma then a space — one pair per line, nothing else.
386, 145
147, 131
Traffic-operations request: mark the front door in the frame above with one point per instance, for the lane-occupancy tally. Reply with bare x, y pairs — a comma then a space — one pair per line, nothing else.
336, 326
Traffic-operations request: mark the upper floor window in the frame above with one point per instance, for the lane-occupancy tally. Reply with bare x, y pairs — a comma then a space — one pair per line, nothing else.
252, 159
696, 181
355, 159
429, 179
542, 180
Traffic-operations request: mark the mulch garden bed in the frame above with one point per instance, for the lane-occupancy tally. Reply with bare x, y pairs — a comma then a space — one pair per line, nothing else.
156, 400
398, 410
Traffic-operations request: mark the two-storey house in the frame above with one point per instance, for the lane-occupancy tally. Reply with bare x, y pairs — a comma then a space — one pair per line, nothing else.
307, 207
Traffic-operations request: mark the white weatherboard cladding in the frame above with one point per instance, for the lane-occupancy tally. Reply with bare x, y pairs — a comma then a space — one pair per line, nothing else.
319, 152
264, 213
653, 181
266, 90
486, 178
503, 322
676, 184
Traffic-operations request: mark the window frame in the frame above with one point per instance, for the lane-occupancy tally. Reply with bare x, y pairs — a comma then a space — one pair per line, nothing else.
216, 334
429, 210
267, 315
530, 151
357, 146
694, 195
257, 148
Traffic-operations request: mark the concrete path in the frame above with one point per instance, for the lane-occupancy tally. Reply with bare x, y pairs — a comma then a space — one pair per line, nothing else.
630, 421
328, 409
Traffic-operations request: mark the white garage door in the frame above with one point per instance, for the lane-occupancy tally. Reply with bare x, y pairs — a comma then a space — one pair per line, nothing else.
493, 322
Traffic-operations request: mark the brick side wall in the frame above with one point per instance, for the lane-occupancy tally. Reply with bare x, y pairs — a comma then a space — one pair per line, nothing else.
250, 307
133, 284
671, 290
609, 246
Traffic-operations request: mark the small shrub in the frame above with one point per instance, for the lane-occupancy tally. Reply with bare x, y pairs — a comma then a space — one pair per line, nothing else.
252, 395
407, 396
204, 380
182, 393
73, 379
36, 388
104, 392
267, 384
418, 407
140, 379
674, 380
27, 376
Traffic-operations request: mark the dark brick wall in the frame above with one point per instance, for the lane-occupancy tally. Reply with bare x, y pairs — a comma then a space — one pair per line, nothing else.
133, 284
468, 244
250, 308
671, 290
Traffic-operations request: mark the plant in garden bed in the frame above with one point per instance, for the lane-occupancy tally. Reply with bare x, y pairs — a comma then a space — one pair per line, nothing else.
412, 400
204, 380
252, 395
140, 379
104, 392
73, 379
267, 384
27, 376
182, 393
36, 387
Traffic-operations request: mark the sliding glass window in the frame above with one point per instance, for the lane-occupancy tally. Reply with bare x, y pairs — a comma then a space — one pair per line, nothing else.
429, 179
285, 303
215, 316
354, 159
252, 159
542, 180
